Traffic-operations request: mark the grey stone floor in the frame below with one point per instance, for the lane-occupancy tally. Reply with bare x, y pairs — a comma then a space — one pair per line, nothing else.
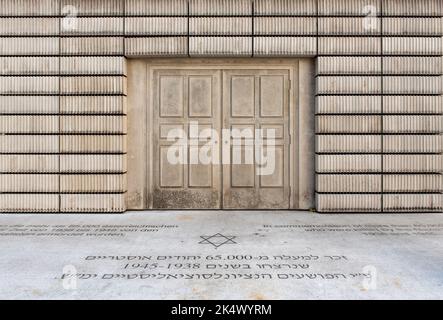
221, 255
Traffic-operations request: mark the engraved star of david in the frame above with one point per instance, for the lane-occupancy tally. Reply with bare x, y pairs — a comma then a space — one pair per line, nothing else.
217, 240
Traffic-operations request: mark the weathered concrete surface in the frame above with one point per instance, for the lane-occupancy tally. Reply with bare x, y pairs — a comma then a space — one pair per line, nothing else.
267, 255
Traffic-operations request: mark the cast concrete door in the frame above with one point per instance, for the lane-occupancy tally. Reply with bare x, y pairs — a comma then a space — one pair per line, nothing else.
220, 139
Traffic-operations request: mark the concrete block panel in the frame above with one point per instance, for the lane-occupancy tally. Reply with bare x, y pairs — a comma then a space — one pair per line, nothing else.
93, 85
220, 26
413, 143
294, 26
412, 85
28, 203
91, 46
412, 65
413, 124
412, 45
220, 46
27, 46
348, 163
348, 124
412, 8
159, 26
92, 8
349, 7
413, 104
340, 203
96, 26
348, 104
412, 202
348, 183
93, 163
349, 26
348, 65
348, 85
220, 7
92, 104
28, 65
29, 8
413, 163
93, 144
284, 46
92, 65
165, 46
348, 143
28, 124
28, 144
349, 45
412, 26
93, 124
92, 203
29, 26
80, 183
413, 183
284, 7
28, 163
29, 85
156, 7
28, 104
29, 183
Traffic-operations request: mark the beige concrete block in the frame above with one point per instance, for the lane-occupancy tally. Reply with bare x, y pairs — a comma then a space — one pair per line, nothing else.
220, 46
284, 7
29, 8
412, 45
348, 183
350, 163
29, 85
413, 183
164, 46
93, 143
159, 26
284, 26
348, 65
28, 203
28, 65
156, 7
220, 26
412, 85
348, 143
28, 124
220, 7
413, 143
28, 144
28, 163
413, 202
412, 8
412, 65
348, 124
412, 26
92, 104
93, 65
92, 203
413, 104
93, 124
348, 104
29, 26
92, 46
29, 183
349, 7
28, 104
349, 45
340, 203
93, 85
413, 124
93, 8
29, 46
413, 163
96, 26
97, 163
348, 85
284, 46
92, 183
348, 26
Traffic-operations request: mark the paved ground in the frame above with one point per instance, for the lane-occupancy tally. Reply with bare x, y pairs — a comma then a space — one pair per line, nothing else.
221, 255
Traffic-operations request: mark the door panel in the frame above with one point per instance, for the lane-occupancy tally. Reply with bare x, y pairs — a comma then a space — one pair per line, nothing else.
257, 174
